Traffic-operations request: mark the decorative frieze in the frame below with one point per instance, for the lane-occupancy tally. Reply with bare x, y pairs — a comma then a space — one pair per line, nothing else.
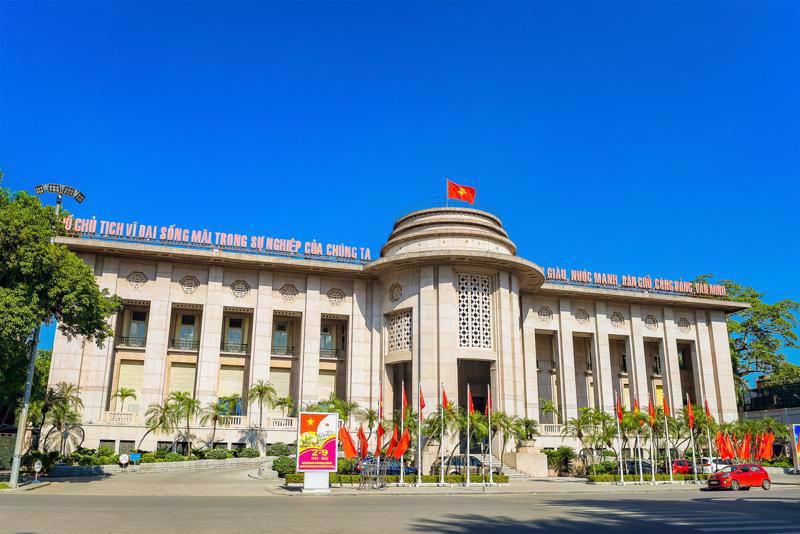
137, 279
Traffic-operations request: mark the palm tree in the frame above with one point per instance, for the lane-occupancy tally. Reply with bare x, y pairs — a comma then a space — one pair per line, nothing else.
368, 416
581, 428
502, 424
68, 394
66, 421
262, 392
213, 412
547, 407
122, 394
159, 418
185, 407
286, 404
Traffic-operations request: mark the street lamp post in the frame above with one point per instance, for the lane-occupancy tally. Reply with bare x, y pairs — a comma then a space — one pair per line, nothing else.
22, 425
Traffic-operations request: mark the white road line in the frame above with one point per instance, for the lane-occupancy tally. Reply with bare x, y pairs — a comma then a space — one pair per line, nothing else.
717, 523
727, 529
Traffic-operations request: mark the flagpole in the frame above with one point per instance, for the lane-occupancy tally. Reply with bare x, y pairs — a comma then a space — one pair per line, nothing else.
419, 434
380, 422
652, 457
619, 440
639, 451
402, 424
466, 459
441, 435
446, 192
669, 452
489, 411
691, 436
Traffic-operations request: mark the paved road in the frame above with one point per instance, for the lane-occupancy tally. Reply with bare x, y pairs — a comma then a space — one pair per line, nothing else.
755, 511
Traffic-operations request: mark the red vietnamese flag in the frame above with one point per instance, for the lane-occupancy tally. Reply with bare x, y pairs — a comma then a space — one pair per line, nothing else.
708, 412
636, 411
405, 403
421, 399
363, 446
402, 445
488, 406
666, 405
619, 409
460, 192
348, 447
393, 442
445, 402
690, 411
768, 446
746, 446
651, 410
470, 406
379, 444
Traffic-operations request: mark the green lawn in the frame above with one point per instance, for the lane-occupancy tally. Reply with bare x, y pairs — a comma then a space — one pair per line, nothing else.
3, 485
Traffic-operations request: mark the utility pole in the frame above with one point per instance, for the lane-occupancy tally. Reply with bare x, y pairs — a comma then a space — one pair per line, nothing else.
22, 425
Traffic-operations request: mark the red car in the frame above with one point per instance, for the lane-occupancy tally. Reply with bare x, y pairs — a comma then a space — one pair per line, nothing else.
682, 467
742, 476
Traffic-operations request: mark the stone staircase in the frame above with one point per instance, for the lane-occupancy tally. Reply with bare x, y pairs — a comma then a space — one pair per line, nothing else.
513, 474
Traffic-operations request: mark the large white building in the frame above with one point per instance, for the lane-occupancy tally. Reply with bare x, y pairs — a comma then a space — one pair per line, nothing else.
447, 301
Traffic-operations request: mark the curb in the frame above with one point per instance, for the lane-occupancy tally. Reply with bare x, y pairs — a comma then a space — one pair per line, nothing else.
30, 486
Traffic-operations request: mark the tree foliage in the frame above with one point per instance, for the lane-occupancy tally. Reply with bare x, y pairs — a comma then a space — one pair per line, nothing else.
41, 282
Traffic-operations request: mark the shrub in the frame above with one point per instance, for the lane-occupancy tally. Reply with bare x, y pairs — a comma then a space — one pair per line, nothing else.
219, 454
335, 478
160, 454
249, 452
48, 460
148, 458
346, 467
278, 449
635, 478
174, 457
105, 450
604, 468
283, 465
199, 454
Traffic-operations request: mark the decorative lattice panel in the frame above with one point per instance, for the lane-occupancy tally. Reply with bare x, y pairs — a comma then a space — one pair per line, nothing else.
399, 327
474, 311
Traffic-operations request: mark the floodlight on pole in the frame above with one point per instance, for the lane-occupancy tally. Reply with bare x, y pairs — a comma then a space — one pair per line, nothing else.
22, 424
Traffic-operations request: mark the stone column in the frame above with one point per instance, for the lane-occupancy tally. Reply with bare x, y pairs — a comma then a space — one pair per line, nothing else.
603, 379
569, 395
158, 324
672, 372
427, 340
448, 332
375, 293
639, 357
516, 340
94, 369
529, 355
507, 394
705, 360
210, 338
724, 367
312, 321
359, 363
261, 349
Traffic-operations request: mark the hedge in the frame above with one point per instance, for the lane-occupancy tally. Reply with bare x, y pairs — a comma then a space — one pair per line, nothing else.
335, 478
647, 477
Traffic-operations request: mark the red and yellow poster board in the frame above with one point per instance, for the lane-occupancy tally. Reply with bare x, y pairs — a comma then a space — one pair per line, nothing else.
317, 441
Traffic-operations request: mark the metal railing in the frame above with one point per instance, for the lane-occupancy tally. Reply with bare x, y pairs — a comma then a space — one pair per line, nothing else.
127, 341
331, 354
235, 347
182, 344
285, 350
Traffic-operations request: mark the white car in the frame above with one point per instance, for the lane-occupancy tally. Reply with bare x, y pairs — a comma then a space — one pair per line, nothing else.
712, 465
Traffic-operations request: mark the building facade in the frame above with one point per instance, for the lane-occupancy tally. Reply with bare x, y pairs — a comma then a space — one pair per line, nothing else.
448, 302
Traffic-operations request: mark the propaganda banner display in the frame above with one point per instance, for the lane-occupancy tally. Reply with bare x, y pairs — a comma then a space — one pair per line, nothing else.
796, 429
317, 442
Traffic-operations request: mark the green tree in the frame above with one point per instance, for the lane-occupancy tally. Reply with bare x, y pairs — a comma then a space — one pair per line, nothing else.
41, 282
286, 404
185, 408
502, 424
262, 392
581, 428
213, 412
159, 418
784, 374
123, 394
759, 334
370, 417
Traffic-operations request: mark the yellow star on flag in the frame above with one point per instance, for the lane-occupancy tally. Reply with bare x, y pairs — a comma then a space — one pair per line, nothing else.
462, 191
310, 420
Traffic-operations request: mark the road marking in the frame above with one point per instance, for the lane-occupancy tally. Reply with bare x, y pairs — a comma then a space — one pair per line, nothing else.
727, 529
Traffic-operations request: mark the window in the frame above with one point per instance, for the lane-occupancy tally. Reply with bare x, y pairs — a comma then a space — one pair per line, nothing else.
125, 447
186, 332
182, 377
234, 336
108, 443
682, 358
326, 338
164, 446
399, 327
474, 311
280, 336
623, 361
656, 364
138, 327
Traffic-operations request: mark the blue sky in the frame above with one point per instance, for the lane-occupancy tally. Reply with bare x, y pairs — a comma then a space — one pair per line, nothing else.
628, 137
